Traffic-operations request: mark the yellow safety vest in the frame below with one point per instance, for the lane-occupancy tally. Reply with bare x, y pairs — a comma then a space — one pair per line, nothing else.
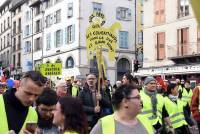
147, 108
108, 124
186, 97
175, 111
74, 91
31, 117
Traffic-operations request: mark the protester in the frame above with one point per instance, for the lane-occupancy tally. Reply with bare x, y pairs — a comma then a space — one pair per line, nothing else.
152, 103
15, 105
126, 119
61, 89
90, 97
195, 105
70, 117
68, 81
127, 79
177, 111
45, 104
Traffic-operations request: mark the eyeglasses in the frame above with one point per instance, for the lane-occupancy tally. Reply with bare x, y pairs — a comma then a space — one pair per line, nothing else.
46, 110
135, 97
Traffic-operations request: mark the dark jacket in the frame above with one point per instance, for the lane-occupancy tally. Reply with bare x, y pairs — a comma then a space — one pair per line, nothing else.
85, 96
16, 112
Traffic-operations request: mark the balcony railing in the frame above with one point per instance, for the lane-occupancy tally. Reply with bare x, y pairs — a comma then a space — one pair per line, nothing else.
183, 49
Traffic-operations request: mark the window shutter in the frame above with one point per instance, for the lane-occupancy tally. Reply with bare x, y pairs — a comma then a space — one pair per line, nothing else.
118, 11
61, 37
73, 33
128, 14
55, 39
65, 35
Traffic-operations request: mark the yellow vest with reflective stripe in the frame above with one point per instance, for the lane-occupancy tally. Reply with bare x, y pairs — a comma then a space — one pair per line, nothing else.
31, 117
74, 91
186, 97
147, 108
175, 111
108, 124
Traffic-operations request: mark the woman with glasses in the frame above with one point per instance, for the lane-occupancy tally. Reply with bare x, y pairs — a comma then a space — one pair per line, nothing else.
126, 119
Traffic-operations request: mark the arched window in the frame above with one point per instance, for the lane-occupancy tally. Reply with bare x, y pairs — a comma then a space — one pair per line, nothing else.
69, 62
123, 66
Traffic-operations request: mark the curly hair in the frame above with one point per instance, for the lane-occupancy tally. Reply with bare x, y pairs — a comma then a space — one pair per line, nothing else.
75, 118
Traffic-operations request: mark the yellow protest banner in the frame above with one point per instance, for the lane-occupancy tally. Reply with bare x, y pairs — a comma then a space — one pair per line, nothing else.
100, 37
196, 8
51, 69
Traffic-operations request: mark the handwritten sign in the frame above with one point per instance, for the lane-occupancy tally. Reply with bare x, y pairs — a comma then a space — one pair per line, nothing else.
50, 69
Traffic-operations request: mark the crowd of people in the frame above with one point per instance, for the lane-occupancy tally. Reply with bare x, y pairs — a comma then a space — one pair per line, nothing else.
77, 107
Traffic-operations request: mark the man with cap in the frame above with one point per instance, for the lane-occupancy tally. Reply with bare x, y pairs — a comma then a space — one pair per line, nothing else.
152, 103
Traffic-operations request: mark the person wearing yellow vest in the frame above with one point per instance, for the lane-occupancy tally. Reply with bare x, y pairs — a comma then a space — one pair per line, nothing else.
178, 120
126, 118
195, 105
75, 88
69, 116
15, 105
152, 103
186, 93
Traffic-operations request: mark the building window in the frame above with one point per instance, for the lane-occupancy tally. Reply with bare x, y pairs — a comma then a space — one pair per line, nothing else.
48, 20
183, 42
28, 15
48, 40
70, 34
123, 39
38, 27
69, 63
19, 25
183, 9
140, 37
56, 1
37, 44
58, 38
19, 43
27, 47
58, 16
159, 11
97, 7
27, 30
123, 13
8, 39
37, 10
13, 60
70, 10
14, 27
48, 3
160, 46
8, 22
19, 60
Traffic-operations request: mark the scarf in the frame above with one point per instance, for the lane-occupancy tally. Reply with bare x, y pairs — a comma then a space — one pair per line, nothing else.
154, 101
173, 98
